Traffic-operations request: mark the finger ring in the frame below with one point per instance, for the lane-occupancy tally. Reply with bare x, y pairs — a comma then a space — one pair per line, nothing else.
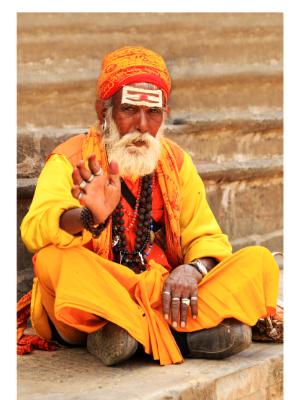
185, 301
83, 185
80, 196
175, 298
100, 172
91, 178
166, 292
193, 298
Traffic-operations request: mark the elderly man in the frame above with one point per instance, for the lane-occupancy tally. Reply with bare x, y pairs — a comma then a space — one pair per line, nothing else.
128, 252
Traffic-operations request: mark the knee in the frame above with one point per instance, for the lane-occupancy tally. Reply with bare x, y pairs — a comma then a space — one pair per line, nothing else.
256, 255
256, 251
47, 261
45, 255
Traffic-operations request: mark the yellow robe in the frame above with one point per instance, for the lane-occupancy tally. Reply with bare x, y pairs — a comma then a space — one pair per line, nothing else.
81, 290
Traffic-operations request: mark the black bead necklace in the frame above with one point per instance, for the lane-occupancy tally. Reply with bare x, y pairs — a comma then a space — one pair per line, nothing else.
144, 229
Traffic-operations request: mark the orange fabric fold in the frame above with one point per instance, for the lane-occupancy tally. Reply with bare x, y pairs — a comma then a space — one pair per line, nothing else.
84, 291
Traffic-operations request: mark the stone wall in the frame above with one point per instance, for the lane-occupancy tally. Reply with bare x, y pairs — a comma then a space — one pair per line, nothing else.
226, 103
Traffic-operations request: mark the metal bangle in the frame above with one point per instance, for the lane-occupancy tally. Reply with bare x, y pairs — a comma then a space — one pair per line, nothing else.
199, 266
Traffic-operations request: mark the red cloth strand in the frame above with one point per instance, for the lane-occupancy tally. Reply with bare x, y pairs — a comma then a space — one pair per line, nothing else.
26, 343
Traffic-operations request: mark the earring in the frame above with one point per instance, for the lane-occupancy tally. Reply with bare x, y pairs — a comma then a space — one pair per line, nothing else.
104, 125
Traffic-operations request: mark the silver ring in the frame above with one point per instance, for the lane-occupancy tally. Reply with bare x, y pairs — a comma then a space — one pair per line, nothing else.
100, 172
185, 301
91, 178
80, 196
83, 184
194, 298
167, 292
175, 298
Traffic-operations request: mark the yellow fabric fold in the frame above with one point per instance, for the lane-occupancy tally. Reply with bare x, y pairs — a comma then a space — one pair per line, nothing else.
84, 290
40, 226
200, 234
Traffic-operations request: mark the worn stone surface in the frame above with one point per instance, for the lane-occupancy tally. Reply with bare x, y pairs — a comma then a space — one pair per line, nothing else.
274, 242
256, 206
229, 141
245, 383
232, 171
261, 32
223, 65
76, 374
218, 147
248, 208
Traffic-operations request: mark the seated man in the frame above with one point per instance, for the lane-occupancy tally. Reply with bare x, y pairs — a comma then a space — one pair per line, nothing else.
128, 251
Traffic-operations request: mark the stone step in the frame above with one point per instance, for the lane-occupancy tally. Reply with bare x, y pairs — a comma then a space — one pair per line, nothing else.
228, 64
72, 103
244, 38
226, 172
206, 141
256, 373
245, 197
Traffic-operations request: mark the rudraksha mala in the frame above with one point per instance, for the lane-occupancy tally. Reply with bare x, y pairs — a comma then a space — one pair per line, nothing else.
87, 221
144, 229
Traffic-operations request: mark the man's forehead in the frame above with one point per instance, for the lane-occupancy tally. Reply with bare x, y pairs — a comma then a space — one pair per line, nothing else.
142, 97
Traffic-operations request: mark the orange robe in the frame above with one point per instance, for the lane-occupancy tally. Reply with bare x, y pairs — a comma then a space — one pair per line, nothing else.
80, 290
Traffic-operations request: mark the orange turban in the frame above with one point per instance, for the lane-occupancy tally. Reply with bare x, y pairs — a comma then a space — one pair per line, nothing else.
132, 65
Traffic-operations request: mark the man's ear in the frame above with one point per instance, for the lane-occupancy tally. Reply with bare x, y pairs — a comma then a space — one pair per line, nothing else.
100, 110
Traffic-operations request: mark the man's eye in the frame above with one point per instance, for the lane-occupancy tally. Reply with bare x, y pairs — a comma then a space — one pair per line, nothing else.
128, 108
155, 110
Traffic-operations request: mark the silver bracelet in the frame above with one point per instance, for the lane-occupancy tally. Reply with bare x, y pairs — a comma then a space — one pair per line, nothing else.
199, 266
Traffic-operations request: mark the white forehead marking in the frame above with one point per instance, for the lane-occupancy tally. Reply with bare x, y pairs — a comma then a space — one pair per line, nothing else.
141, 97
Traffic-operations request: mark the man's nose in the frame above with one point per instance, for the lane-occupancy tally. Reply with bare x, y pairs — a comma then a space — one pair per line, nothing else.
142, 122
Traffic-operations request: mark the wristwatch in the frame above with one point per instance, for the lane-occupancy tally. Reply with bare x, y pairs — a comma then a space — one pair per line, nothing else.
199, 266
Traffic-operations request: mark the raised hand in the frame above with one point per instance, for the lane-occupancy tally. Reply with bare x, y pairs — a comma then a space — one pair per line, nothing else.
96, 191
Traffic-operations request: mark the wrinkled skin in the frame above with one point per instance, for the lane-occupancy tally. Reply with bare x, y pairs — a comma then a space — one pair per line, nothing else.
102, 194
181, 283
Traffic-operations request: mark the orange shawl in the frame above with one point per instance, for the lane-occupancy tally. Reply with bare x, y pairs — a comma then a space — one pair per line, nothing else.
168, 168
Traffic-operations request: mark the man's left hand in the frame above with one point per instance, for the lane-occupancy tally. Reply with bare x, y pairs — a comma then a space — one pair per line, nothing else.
181, 292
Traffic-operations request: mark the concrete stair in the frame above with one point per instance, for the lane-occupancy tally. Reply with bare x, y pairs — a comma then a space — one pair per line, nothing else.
74, 374
206, 142
222, 65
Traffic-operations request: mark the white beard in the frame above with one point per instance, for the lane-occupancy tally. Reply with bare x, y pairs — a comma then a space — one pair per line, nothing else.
132, 160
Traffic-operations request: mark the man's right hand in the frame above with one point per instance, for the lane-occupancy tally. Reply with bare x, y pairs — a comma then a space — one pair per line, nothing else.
102, 194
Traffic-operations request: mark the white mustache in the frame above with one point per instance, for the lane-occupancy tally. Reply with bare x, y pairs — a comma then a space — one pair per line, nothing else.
130, 138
